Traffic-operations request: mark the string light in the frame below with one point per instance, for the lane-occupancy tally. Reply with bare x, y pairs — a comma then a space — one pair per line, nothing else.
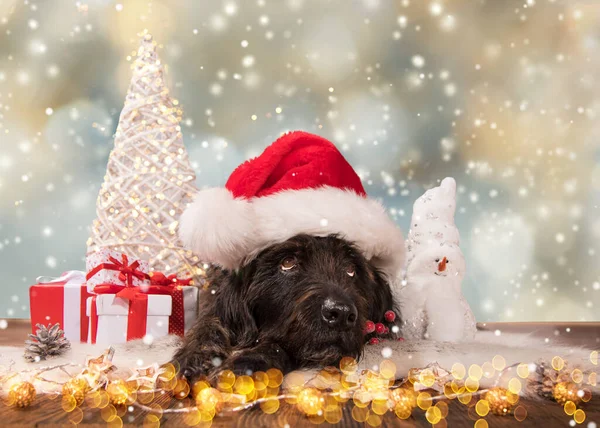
500, 400
370, 393
21, 394
76, 388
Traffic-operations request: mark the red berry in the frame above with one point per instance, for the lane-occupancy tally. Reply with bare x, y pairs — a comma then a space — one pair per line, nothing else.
400, 339
373, 341
369, 327
390, 316
386, 331
379, 328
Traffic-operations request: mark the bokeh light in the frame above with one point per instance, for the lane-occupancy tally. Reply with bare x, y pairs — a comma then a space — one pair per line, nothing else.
513, 118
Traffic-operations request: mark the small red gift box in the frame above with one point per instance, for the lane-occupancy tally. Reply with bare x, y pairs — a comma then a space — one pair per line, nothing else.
61, 300
119, 314
130, 303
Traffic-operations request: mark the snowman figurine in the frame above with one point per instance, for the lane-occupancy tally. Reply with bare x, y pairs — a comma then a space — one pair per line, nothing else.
431, 302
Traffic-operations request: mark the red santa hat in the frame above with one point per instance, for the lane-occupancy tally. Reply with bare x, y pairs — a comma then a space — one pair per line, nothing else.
301, 184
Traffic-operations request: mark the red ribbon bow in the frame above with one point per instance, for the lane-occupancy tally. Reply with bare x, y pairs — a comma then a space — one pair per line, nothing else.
159, 278
126, 271
138, 306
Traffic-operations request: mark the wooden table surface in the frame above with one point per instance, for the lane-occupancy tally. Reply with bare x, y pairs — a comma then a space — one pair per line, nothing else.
46, 412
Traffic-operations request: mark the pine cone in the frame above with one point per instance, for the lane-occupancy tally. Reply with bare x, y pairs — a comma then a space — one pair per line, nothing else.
542, 380
46, 342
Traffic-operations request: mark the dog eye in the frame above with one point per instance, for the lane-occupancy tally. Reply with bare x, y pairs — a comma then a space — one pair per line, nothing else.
350, 270
437, 260
288, 263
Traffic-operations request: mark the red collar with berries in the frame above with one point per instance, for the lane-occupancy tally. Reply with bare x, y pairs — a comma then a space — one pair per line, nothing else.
379, 331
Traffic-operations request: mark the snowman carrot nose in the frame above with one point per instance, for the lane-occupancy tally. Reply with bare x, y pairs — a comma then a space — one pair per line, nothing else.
442, 265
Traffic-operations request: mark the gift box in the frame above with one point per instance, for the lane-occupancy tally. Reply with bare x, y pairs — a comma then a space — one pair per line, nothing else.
156, 310
111, 267
63, 301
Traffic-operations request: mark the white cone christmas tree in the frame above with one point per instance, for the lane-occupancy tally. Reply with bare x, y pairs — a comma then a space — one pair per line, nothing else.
149, 180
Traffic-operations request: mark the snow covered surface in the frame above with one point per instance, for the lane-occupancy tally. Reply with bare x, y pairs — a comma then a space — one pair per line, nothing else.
514, 348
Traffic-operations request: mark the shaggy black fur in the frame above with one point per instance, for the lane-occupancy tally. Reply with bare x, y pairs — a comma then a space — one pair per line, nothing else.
301, 303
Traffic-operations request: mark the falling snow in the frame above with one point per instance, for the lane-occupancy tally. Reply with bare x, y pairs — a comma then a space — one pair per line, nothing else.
398, 87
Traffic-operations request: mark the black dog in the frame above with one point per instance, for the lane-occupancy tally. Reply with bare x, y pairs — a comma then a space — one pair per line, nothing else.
301, 303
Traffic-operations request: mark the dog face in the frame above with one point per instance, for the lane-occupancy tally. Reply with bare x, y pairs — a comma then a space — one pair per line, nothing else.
312, 296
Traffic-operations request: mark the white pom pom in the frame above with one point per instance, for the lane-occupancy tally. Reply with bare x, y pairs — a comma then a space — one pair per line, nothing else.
218, 227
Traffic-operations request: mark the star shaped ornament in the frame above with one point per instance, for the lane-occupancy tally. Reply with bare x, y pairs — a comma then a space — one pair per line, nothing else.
433, 376
97, 369
145, 376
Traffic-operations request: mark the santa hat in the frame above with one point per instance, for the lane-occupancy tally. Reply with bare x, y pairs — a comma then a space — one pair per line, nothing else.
301, 184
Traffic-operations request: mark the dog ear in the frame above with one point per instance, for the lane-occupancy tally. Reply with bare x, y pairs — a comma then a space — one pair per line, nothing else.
381, 297
231, 304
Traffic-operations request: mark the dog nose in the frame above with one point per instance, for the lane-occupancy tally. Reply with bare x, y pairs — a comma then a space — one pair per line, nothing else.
338, 314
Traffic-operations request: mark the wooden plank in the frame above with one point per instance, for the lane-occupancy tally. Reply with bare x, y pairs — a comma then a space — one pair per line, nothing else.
48, 413
15, 333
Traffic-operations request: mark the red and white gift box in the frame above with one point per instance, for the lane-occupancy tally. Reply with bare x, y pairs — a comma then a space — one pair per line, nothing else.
111, 267
61, 300
158, 311
130, 303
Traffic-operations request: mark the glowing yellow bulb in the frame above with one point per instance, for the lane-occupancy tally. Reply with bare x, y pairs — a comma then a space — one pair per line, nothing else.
579, 416
275, 377
309, 401
244, 385
348, 365
471, 385
433, 415
498, 362
558, 363
481, 423
520, 413
488, 369
570, 408
387, 369
379, 406
577, 376
475, 372
458, 371
360, 414
514, 385
424, 400
270, 406
482, 408
523, 371
209, 400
